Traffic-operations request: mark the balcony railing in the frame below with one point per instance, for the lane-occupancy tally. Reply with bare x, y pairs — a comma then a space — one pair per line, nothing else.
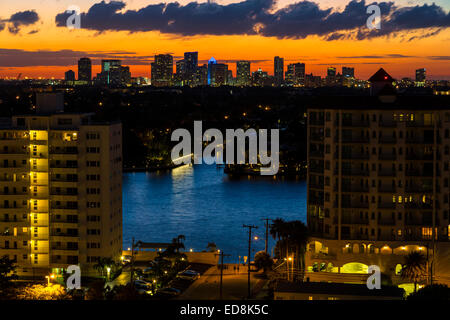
386, 205
387, 157
388, 189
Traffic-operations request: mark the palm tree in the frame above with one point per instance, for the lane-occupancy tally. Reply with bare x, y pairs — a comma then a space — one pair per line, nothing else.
104, 263
100, 266
292, 236
414, 267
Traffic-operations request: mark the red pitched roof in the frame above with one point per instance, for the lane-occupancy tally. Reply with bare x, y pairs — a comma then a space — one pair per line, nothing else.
381, 76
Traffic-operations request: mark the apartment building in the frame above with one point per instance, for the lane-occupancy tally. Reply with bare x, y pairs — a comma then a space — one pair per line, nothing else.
378, 182
60, 189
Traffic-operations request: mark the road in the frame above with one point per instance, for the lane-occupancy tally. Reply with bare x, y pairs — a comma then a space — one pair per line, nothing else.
234, 285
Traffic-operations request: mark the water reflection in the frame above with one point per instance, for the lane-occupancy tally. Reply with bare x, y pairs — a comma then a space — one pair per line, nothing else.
206, 206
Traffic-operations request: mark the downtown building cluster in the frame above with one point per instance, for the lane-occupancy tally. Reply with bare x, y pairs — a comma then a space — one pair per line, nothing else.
189, 72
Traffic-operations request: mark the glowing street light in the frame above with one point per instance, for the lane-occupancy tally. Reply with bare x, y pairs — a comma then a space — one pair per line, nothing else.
51, 276
108, 270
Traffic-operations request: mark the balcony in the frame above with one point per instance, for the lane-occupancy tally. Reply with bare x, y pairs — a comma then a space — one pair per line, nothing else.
387, 157
353, 172
64, 151
413, 156
419, 173
387, 173
386, 222
316, 154
316, 169
355, 205
386, 189
419, 140
386, 205
354, 220
355, 123
387, 140
354, 188
355, 156
14, 152
64, 234
419, 189
418, 206
354, 140
422, 124
387, 124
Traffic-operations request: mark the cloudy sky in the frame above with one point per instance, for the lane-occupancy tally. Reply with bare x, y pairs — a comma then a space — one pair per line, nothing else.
35, 41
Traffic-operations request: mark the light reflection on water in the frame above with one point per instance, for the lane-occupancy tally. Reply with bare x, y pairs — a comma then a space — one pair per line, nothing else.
205, 205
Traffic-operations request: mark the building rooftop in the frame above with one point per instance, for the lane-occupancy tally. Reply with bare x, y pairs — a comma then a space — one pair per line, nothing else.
381, 76
338, 289
408, 102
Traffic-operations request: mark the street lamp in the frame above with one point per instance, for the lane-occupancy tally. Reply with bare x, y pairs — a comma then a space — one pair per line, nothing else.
108, 270
51, 276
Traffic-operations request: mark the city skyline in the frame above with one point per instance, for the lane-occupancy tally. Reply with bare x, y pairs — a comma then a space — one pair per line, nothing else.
255, 66
39, 45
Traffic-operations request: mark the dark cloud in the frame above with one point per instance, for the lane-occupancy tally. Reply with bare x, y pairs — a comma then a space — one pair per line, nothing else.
439, 58
296, 21
24, 58
20, 19
191, 19
384, 56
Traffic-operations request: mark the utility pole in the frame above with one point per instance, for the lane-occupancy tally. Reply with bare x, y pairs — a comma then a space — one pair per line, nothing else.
250, 227
221, 254
132, 263
267, 234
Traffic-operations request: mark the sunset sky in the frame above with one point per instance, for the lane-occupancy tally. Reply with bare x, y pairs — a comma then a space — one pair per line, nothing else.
34, 40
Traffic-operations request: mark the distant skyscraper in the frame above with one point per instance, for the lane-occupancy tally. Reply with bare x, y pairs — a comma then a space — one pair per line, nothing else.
111, 73
295, 74
180, 72
190, 66
331, 76
84, 69
211, 62
243, 77
201, 76
217, 73
260, 78
108, 64
348, 72
278, 70
331, 72
421, 75
162, 70
69, 76
230, 79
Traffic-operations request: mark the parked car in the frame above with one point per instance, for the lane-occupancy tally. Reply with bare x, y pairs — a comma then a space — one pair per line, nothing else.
147, 270
188, 275
143, 287
169, 291
126, 260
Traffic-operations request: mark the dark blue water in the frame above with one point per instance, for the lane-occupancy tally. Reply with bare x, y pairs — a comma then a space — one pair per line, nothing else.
205, 205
